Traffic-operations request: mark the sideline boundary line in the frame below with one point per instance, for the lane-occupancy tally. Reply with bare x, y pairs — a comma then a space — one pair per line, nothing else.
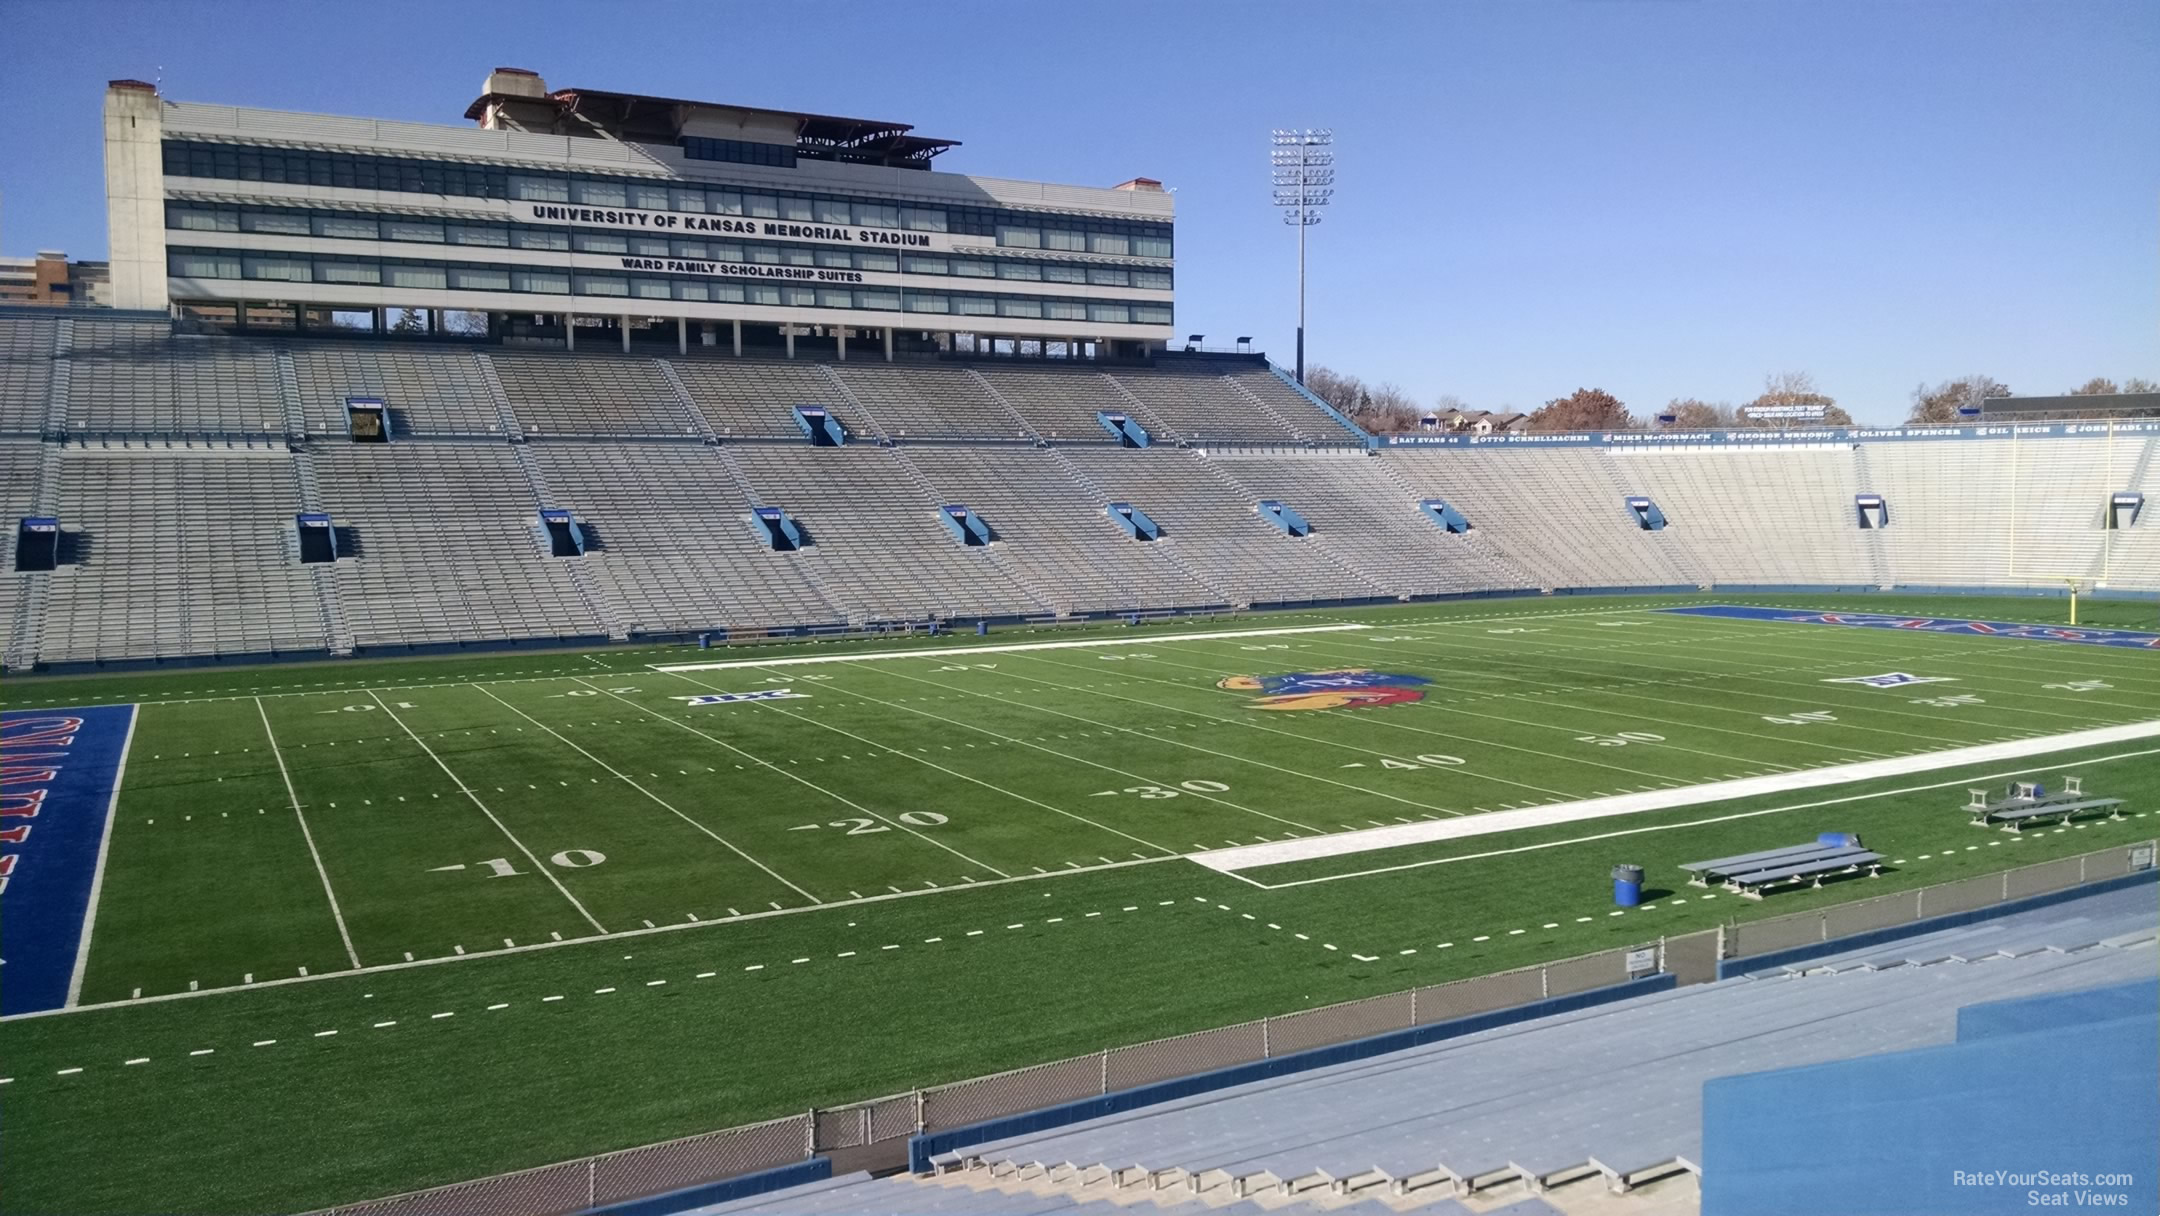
292, 795
942, 652
97, 873
1250, 856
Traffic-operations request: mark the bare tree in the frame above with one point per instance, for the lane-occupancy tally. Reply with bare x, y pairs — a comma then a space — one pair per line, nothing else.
1938, 405
1787, 389
1585, 409
2098, 386
1692, 414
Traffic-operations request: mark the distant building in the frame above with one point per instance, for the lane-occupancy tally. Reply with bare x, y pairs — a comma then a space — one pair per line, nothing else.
50, 279
1483, 422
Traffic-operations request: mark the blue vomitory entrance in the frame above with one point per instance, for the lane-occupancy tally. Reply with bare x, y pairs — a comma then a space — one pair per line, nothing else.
59, 770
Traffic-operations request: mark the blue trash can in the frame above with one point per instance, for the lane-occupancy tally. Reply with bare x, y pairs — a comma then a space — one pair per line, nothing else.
1627, 885
1839, 840
704, 641
982, 629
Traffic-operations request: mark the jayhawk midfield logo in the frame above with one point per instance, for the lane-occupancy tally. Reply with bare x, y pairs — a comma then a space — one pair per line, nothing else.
1350, 688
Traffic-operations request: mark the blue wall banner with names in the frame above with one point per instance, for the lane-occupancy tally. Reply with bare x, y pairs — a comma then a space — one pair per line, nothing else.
2130, 638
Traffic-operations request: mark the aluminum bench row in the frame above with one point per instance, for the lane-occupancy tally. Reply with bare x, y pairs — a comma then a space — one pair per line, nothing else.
2012, 818
1811, 870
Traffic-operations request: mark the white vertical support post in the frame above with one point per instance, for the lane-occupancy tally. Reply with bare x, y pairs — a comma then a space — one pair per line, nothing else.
1267, 1048
888, 344
569, 329
623, 324
840, 339
682, 335
737, 327
788, 332
1103, 1084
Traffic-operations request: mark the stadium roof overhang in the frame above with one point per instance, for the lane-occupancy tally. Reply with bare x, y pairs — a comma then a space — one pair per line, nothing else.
642, 119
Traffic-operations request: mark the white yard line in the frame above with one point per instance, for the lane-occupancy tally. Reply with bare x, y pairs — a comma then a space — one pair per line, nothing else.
544, 871
1251, 856
943, 652
664, 803
795, 777
293, 796
97, 874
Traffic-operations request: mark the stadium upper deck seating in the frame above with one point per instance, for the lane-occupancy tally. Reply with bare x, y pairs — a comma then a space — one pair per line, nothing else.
182, 546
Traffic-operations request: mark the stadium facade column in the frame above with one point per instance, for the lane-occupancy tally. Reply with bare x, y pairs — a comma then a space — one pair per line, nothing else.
135, 194
569, 329
682, 335
788, 332
624, 326
736, 325
840, 342
888, 344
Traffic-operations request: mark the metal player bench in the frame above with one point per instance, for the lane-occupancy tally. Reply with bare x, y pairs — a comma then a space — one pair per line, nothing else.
1703, 873
2012, 819
1812, 870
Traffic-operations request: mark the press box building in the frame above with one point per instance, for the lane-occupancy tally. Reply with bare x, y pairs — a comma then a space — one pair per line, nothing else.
586, 215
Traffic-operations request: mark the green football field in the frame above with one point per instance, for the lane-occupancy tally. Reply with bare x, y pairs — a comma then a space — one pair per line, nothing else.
371, 925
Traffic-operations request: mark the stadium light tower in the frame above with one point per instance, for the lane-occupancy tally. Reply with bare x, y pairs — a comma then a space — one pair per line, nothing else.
1304, 181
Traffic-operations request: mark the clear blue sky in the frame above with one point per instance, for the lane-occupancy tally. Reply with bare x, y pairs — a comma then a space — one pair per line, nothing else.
1661, 198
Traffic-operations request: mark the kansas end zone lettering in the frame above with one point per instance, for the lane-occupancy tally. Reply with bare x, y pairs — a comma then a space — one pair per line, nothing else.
686, 221
2129, 638
743, 270
58, 770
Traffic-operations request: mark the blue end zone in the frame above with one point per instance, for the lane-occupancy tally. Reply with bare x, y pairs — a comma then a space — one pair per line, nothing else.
1929, 624
59, 769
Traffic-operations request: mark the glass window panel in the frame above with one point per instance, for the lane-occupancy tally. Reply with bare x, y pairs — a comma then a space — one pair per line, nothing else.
1024, 271
1019, 238
478, 234
1108, 276
598, 285
799, 297
1065, 274
601, 242
540, 238
649, 246
419, 277
349, 227
762, 293
922, 219
833, 298
839, 259
276, 266
1153, 280
763, 255
691, 249
686, 198
727, 253
975, 306
928, 266
797, 209
692, 289
918, 302
1108, 242
601, 194
889, 301
1151, 315
968, 268
205, 265
727, 293
542, 282
888, 262
652, 289
648, 197
1020, 308
1057, 239
1067, 310
725, 202
479, 278
429, 231
834, 211
275, 221
347, 272
797, 255
1116, 314
1151, 246
763, 206
539, 189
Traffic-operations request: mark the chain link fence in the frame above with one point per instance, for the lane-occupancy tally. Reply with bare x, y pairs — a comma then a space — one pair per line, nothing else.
557, 1190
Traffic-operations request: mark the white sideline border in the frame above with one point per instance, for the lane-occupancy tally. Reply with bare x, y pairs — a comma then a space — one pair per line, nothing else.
1252, 856
97, 873
942, 652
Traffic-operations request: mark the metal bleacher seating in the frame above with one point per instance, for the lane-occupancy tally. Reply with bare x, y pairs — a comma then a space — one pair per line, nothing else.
876, 547
928, 402
1202, 407
1583, 1101
671, 547
1061, 404
428, 391
184, 550
1752, 874
752, 399
1211, 526
1292, 406
1742, 508
26, 350
448, 546
1051, 531
1557, 514
592, 395
129, 378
